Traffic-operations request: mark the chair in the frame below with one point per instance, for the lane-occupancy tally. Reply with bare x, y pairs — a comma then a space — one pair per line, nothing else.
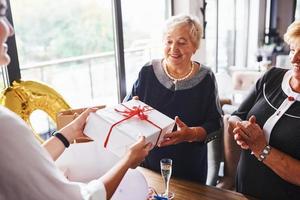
242, 81
283, 61
24, 97
214, 152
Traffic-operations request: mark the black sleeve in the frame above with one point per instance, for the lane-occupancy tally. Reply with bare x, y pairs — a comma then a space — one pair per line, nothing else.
252, 96
213, 119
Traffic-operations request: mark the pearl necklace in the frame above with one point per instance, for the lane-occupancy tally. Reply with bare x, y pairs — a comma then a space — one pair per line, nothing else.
175, 80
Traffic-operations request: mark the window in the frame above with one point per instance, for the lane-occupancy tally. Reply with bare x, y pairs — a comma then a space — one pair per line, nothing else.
68, 44
143, 22
211, 34
220, 33
3, 80
297, 10
229, 39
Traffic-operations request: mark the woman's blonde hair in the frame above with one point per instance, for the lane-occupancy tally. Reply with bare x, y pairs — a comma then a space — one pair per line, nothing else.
293, 32
182, 20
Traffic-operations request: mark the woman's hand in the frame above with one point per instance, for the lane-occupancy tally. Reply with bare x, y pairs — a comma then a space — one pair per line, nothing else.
183, 134
75, 128
71, 131
137, 152
135, 97
249, 135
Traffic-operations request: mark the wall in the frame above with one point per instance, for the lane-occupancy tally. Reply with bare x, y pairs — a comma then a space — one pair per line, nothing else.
285, 15
192, 7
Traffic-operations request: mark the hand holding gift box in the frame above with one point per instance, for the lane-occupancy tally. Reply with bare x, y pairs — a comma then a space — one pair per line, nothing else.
117, 128
83, 162
63, 118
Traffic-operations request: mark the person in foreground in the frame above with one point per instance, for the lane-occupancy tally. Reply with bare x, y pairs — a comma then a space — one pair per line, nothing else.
185, 90
266, 126
28, 171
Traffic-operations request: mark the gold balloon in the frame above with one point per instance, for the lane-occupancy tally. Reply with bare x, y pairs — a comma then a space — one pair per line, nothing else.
24, 97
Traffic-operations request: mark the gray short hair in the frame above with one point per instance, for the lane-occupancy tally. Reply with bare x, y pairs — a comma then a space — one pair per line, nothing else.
182, 20
293, 32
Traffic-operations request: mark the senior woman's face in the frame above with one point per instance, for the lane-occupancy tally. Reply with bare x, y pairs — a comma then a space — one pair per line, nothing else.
6, 30
178, 48
295, 57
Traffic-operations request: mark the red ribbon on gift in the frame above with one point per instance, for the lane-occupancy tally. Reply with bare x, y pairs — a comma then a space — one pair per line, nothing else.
130, 112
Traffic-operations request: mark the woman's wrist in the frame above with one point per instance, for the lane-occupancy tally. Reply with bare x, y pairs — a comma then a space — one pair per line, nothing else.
127, 161
61, 138
67, 134
198, 134
261, 156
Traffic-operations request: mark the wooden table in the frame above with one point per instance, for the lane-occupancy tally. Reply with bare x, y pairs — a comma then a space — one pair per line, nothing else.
189, 190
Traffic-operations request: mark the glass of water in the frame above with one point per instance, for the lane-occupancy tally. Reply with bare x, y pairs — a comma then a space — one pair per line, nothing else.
166, 171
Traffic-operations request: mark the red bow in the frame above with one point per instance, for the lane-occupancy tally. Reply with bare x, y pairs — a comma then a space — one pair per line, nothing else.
130, 112
135, 110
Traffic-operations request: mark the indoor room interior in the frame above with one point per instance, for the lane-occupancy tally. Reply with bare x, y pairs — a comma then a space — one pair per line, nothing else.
68, 55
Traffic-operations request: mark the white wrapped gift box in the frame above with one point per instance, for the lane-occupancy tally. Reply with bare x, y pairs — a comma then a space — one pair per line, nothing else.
125, 130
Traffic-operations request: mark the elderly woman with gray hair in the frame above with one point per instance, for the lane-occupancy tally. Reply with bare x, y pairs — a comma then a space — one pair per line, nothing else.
185, 90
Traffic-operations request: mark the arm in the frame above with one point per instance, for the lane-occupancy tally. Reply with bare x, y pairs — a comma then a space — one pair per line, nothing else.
18, 143
134, 94
72, 131
250, 136
213, 114
285, 166
134, 156
113, 177
199, 133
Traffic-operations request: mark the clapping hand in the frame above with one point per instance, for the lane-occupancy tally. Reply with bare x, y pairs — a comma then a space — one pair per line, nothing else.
249, 135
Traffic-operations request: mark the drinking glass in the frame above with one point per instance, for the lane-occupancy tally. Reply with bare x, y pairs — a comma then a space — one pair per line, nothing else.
166, 171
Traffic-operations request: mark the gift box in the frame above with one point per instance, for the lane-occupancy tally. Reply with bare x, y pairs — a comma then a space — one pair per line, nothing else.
117, 128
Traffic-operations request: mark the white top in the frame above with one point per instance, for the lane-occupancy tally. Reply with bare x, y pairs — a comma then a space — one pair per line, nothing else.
27, 171
286, 104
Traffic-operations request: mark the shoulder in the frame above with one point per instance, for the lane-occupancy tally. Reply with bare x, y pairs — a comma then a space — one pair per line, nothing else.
151, 69
146, 69
208, 71
148, 66
273, 75
274, 71
207, 74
